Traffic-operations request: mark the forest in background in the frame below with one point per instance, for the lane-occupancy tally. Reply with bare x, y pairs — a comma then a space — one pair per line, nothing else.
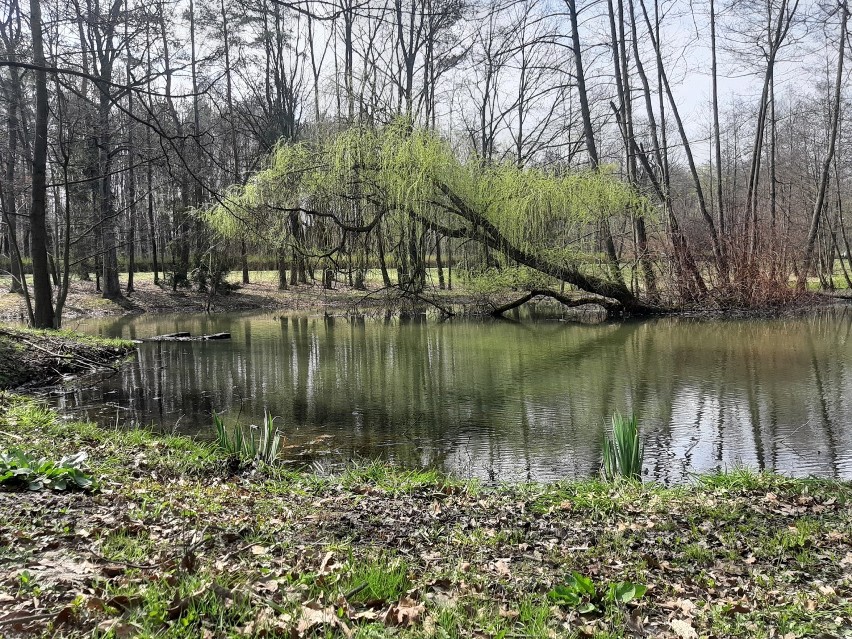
602, 145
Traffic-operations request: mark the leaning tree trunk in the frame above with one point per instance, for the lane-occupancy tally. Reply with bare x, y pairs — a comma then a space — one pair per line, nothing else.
485, 233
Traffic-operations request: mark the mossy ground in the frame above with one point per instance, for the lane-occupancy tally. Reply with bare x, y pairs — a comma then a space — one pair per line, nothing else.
174, 544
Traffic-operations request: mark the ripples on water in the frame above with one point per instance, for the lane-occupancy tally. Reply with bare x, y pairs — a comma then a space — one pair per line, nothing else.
500, 400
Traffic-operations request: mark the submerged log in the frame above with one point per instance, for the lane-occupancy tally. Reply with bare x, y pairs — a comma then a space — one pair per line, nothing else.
184, 336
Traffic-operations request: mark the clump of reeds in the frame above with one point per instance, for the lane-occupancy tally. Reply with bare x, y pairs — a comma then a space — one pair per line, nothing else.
261, 442
622, 451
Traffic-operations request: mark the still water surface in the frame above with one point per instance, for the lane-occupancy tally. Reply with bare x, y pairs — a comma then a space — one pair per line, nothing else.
499, 400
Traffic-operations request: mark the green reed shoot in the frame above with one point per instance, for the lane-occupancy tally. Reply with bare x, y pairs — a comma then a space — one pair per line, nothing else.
261, 442
622, 452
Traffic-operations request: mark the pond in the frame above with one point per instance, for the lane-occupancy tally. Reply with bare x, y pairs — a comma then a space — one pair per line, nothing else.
497, 400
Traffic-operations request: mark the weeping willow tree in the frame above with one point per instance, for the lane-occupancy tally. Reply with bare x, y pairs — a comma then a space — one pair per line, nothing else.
400, 183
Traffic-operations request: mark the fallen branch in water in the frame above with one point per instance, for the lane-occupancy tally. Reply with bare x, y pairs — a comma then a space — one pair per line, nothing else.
570, 302
186, 337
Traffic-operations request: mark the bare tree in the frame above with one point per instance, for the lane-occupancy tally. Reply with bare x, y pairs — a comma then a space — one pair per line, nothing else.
824, 175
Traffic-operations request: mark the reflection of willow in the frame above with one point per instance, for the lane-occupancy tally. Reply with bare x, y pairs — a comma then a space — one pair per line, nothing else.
411, 384
510, 397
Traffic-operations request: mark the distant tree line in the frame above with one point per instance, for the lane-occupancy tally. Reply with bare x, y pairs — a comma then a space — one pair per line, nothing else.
174, 136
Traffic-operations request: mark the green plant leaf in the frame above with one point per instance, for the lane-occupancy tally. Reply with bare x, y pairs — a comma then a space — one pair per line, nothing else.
582, 584
564, 595
74, 461
624, 591
22, 469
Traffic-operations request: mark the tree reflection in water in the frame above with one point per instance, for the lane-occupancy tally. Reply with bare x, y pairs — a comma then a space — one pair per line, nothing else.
501, 400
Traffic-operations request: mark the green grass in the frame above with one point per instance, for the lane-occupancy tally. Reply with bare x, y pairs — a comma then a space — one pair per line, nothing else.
70, 336
112, 452
38, 356
383, 578
399, 480
127, 545
174, 545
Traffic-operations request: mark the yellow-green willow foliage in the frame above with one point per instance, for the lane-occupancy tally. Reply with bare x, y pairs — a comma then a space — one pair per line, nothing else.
398, 171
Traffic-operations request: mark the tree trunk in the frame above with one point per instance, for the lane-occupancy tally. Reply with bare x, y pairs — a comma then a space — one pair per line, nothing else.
131, 179
107, 55
110, 284
717, 141
43, 315
13, 131
688, 275
380, 247
718, 252
152, 225
625, 117
441, 284
235, 149
604, 232
281, 259
181, 222
829, 157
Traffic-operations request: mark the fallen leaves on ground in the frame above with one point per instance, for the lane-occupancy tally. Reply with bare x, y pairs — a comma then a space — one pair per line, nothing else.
277, 559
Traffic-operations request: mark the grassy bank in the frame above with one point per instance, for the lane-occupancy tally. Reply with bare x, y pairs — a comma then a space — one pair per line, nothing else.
38, 358
173, 544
